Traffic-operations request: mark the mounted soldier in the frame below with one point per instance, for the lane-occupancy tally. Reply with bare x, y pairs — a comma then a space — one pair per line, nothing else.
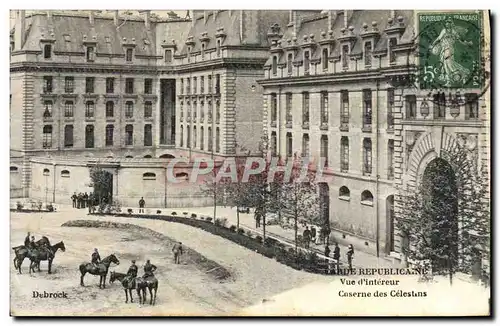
95, 259
27, 240
148, 269
131, 273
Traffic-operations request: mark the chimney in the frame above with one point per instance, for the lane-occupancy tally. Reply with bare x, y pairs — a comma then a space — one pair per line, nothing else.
116, 17
295, 18
215, 14
205, 16
347, 16
393, 14
193, 18
290, 17
19, 30
49, 14
332, 15
91, 17
147, 18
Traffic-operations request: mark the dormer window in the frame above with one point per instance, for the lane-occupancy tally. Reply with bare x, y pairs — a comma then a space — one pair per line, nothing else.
90, 54
392, 43
289, 63
275, 65
128, 55
168, 56
345, 56
324, 58
368, 54
217, 47
307, 63
47, 51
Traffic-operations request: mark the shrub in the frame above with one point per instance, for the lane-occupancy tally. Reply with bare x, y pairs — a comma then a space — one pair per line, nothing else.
130, 211
19, 206
158, 211
258, 239
202, 218
50, 207
232, 228
249, 233
193, 215
174, 213
221, 221
270, 242
185, 213
241, 231
209, 219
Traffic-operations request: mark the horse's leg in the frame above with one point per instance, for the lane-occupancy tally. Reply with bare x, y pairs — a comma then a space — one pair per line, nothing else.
139, 295
104, 280
83, 272
131, 298
150, 295
126, 295
15, 260
156, 290
50, 266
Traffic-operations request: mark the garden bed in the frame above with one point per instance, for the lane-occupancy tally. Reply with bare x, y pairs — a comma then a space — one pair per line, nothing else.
31, 210
272, 248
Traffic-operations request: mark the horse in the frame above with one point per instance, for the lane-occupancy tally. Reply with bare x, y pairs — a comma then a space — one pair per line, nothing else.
21, 252
127, 286
102, 269
43, 253
150, 283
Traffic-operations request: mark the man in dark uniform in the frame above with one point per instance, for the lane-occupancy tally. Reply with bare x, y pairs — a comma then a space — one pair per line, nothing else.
131, 273
177, 250
95, 259
307, 237
350, 253
90, 202
32, 245
79, 200
73, 199
27, 240
85, 199
336, 256
148, 269
141, 205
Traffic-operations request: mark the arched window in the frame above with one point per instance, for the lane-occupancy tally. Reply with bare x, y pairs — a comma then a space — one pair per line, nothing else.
65, 174
14, 169
366, 198
149, 176
46, 172
148, 135
147, 156
47, 136
324, 149
129, 156
202, 138
129, 135
305, 145
167, 156
110, 108
344, 193
181, 175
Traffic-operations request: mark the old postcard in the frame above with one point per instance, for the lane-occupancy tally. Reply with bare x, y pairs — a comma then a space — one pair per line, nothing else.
250, 163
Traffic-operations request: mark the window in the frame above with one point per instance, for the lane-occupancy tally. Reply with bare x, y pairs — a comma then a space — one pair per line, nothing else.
188, 137
217, 84
149, 176
392, 55
148, 156
203, 51
65, 174
182, 86
188, 86
68, 136
288, 108
274, 104
368, 54
210, 139
202, 111
181, 109
324, 58
344, 193
307, 63
344, 107
148, 109
14, 169
181, 144
148, 135
390, 106
89, 136
182, 175
210, 86
128, 55
110, 109
439, 105
411, 106
275, 65
129, 109
202, 84
69, 84
366, 198
89, 109
324, 107
202, 138
390, 155
217, 111
110, 129
148, 86
129, 135
129, 85
47, 51
90, 54
47, 84
345, 56
89, 84
305, 108
471, 106
305, 145
217, 140
195, 85
195, 136
46, 172
47, 136
274, 144
218, 48
289, 144
344, 154
68, 109
110, 85
47, 111
195, 111
367, 156
367, 108
324, 148
168, 56
289, 63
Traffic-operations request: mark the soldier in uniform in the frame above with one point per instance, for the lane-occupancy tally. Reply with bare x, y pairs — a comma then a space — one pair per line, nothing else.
149, 269
32, 244
350, 253
177, 250
73, 199
96, 258
27, 240
131, 273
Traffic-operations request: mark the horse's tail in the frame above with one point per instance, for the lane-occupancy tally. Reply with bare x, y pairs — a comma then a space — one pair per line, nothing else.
82, 268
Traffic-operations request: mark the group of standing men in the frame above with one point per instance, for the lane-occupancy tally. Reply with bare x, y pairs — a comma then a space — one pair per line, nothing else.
84, 200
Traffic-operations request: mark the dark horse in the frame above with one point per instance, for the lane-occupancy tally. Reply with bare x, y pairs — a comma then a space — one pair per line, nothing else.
127, 285
21, 252
44, 253
144, 283
101, 270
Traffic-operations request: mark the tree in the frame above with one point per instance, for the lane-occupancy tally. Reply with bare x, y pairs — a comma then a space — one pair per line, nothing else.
446, 218
101, 181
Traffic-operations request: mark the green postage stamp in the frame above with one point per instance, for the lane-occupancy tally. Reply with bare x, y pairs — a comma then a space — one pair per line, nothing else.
450, 50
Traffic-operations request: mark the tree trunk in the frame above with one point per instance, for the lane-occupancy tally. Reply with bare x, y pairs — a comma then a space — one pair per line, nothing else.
296, 232
450, 271
237, 218
264, 228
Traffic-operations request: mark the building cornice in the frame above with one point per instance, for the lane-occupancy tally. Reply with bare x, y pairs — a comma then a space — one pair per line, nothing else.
28, 66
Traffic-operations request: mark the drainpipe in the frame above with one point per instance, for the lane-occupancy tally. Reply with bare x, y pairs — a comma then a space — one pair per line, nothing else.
377, 236
165, 199
54, 183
